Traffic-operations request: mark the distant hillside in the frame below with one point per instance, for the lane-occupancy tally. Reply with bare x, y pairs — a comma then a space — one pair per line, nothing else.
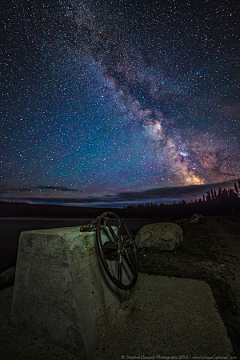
39, 210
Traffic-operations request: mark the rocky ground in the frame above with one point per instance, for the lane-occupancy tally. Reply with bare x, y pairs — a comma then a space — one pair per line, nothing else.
210, 252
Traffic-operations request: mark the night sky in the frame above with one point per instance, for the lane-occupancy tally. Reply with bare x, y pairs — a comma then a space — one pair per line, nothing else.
106, 102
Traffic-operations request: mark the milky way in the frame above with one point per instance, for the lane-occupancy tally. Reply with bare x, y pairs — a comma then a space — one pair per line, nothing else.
105, 97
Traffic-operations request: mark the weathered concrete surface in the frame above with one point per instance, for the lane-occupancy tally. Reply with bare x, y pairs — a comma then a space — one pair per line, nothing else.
167, 317
59, 291
164, 317
10, 229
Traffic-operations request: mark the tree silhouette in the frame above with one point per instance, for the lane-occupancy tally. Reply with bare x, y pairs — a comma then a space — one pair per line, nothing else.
236, 188
211, 203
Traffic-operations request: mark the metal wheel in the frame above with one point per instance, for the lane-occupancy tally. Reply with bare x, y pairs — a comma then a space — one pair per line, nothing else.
120, 249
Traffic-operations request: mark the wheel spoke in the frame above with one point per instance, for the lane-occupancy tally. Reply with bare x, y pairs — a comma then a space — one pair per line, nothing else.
127, 243
125, 254
112, 232
119, 267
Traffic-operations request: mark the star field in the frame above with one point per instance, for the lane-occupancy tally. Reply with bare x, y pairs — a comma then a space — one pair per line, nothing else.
101, 98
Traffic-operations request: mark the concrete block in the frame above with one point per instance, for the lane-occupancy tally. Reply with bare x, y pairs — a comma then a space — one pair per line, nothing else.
60, 292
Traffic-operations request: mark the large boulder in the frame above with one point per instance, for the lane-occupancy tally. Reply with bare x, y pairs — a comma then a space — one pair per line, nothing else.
161, 236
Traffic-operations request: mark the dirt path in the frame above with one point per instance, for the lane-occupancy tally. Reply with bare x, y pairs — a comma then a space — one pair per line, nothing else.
210, 252
224, 235
167, 317
225, 232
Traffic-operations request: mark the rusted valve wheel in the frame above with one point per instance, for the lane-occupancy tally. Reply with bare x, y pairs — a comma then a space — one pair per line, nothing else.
121, 248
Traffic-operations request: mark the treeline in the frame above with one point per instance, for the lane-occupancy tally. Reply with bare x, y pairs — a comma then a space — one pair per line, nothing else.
213, 202
221, 202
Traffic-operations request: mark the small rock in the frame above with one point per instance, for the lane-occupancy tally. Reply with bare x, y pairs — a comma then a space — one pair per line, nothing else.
196, 219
